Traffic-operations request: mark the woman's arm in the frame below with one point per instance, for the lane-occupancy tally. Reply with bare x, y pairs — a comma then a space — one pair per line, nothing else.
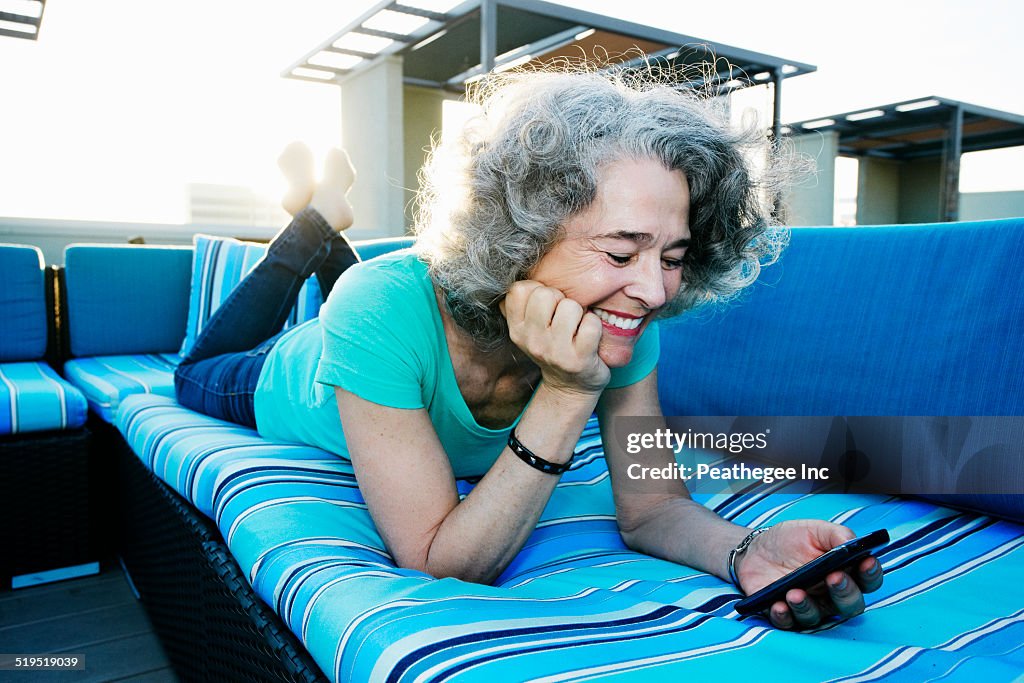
660, 519
407, 482
406, 477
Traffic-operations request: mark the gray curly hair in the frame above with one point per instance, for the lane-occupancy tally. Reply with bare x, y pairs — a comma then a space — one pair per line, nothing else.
493, 201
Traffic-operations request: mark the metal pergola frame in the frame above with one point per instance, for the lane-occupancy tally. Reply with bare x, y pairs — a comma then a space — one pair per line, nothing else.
28, 20
544, 29
923, 128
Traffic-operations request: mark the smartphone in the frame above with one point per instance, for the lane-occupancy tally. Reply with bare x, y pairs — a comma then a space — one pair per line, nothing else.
815, 571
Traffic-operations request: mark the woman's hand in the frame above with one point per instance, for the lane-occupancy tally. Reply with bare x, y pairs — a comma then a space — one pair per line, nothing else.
789, 545
558, 335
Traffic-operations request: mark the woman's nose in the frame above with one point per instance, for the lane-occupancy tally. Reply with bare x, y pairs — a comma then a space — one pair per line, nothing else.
647, 284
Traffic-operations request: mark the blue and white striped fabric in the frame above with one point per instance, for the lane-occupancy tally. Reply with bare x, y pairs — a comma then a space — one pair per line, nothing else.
218, 265
576, 604
106, 380
33, 398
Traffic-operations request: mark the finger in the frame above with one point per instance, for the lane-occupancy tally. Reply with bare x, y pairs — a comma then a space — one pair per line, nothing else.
781, 616
541, 304
846, 595
566, 319
830, 535
869, 574
514, 304
588, 337
805, 609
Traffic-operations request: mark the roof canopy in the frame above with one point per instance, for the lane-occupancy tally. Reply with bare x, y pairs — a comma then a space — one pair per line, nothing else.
445, 47
918, 129
23, 23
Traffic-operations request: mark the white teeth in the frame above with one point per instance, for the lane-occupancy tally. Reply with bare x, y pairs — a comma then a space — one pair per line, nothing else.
621, 323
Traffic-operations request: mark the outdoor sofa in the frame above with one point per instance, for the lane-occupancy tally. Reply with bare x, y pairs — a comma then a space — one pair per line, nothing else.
44, 445
258, 560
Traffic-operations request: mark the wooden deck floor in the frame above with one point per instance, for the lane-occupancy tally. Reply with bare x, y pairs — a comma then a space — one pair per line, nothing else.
97, 616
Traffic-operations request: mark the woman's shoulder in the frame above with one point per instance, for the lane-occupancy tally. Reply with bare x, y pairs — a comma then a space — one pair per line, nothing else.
396, 281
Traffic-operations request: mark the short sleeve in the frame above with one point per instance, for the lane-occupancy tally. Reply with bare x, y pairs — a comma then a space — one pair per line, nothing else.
376, 339
645, 358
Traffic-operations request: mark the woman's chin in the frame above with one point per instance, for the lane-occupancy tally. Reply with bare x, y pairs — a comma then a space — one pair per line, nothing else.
615, 355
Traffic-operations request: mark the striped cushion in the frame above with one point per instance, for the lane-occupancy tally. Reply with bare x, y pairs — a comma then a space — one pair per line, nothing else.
106, 380
218, 265
33, 398
575, 604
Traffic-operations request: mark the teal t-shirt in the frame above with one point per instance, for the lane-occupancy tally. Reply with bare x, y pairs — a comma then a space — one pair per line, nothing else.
381, 337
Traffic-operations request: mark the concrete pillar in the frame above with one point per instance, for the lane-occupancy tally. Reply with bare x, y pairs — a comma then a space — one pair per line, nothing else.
422, 113
921, 191
812, 201
371, 131
878, 192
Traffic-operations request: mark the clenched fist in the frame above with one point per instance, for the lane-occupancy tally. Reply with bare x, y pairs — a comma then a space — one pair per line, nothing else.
557, 334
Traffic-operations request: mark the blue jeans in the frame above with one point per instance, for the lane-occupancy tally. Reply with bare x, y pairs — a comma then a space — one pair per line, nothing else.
219, 375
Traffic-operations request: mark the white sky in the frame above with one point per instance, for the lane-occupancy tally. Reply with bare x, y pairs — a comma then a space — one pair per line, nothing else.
121, 103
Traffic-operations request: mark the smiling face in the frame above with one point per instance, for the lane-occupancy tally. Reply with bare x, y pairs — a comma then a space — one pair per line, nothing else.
621, 257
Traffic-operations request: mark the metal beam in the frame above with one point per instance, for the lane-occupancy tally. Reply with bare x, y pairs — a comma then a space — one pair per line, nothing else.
351, 53
419, 12
377, 33
488, 34
951, 166
776, 107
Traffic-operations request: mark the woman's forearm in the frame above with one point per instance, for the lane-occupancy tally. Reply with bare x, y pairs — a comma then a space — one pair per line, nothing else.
682, 530
484, 532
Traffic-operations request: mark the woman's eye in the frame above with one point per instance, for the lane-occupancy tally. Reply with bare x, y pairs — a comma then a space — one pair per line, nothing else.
671, 263
620, 259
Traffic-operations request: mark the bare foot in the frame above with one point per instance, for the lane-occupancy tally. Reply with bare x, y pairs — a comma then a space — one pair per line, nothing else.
296, 163
330, 196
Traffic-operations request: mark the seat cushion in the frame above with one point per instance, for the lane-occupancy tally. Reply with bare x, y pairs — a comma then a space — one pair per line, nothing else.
576, 604
33, 398
106, 380
23, 313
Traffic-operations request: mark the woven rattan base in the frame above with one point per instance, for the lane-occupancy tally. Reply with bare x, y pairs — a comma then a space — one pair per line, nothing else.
213, 626
44, 502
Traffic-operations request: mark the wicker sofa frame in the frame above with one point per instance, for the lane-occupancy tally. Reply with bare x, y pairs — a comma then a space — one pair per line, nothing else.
212, 625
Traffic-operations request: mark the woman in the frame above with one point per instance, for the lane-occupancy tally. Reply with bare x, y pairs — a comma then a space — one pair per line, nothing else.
569, 216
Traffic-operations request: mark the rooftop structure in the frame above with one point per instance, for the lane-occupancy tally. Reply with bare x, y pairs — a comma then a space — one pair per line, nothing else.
24, 23
405, 58
910, 153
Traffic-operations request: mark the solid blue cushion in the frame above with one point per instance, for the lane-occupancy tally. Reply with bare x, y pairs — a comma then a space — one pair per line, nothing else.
902, 320
22, 303
125, 299
33, 398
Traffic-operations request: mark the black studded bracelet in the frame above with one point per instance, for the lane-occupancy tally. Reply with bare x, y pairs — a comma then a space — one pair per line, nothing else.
534, 460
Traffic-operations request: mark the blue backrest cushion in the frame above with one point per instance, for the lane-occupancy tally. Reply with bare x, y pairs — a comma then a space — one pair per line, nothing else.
124, 299
900, 320
220, 263
912, 320
23, 314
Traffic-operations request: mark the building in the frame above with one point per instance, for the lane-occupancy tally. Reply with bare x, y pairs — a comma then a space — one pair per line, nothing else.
909, 154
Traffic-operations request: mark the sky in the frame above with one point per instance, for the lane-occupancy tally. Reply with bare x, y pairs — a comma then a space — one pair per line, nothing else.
120, 104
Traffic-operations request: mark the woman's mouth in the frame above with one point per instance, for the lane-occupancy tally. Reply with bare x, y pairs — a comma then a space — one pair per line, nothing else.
617, 323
